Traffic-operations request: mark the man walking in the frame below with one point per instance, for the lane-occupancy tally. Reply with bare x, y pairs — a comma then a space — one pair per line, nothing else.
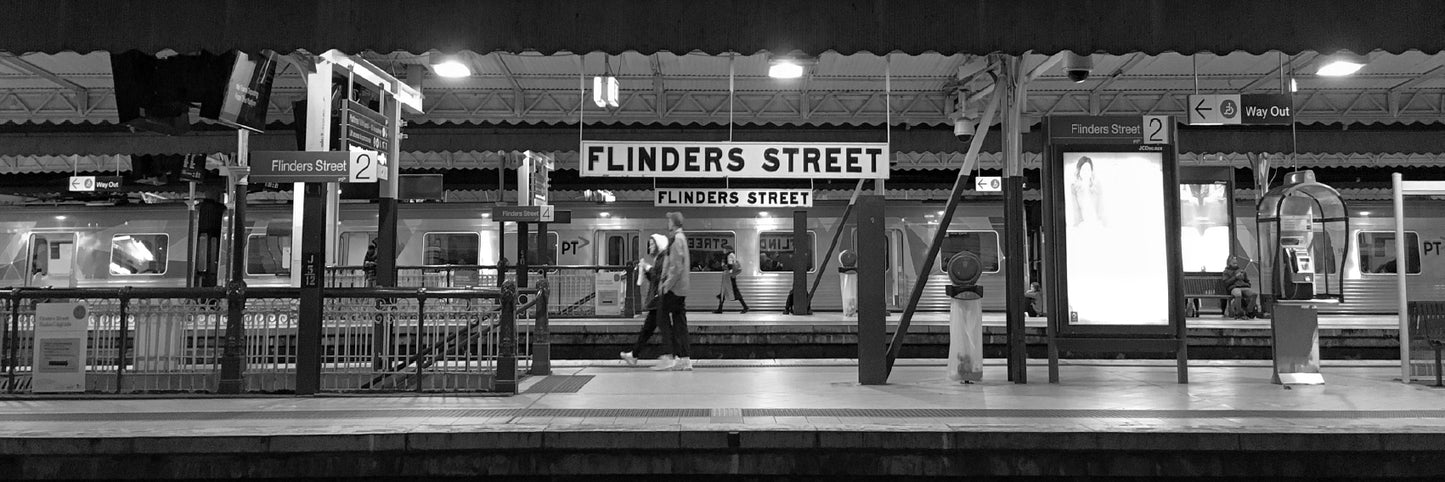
675, 281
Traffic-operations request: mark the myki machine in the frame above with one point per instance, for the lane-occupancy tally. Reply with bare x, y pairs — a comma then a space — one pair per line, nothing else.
965, 314
1303, 228
848, 281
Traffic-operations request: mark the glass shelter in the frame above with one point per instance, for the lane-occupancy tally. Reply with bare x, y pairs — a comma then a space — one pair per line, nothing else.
1303, 234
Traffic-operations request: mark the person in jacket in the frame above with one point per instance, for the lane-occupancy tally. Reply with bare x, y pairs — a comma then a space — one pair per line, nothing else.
651, 272
676, 277
731, 268
1235, 281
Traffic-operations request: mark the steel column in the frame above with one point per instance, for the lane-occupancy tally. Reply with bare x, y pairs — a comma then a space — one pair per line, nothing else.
802, 252
872, 313
233, 356
312, 309
1014, 85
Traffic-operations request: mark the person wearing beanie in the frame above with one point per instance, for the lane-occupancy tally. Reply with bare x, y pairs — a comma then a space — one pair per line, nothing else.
651, 271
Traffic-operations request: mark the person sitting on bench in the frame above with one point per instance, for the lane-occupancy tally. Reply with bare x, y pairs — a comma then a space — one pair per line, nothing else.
1235, 281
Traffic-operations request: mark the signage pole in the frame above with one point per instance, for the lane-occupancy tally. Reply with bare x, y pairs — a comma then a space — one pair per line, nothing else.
233, 360
522, 233
387, 204
312, 270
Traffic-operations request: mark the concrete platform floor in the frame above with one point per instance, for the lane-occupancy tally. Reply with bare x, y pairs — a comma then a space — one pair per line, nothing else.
1119, 418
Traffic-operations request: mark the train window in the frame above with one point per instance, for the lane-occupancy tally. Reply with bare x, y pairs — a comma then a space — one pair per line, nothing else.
138, 254
451, 248
775, 251
1377, 252
708, 250
534, 254
268, 254
353, 246
982, 243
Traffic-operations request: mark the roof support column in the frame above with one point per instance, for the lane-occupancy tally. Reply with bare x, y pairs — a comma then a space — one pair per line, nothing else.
1012, 102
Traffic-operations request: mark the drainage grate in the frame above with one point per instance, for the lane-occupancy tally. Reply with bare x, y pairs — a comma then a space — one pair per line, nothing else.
559, 384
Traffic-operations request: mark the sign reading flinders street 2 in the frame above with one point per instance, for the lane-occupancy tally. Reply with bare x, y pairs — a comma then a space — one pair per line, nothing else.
735, 159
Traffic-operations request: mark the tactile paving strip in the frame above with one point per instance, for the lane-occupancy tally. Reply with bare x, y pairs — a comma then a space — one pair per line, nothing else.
717, 415
559, 384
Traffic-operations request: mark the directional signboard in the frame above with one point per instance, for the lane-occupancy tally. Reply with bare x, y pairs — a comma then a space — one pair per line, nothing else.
1236, 109
93, 183
365, 128
314, 166
988, 184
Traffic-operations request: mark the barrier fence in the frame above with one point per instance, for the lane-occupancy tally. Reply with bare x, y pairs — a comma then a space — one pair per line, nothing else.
373, 339
575, 289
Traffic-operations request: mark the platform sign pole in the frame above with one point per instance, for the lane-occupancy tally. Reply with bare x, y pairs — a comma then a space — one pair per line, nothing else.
233, 358
1397, 182
523, 231
312, 310
802, 253
1014, 257
872, 314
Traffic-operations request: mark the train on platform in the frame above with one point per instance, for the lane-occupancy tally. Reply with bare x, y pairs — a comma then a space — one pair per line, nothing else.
150, 245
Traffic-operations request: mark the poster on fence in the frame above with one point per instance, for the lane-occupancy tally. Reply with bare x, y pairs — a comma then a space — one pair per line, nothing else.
610, 287
60, 331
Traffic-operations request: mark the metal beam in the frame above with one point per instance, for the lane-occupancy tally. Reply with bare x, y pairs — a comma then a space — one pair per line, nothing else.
659, 90
1303, 58
82, 94
517, 91
1113, 76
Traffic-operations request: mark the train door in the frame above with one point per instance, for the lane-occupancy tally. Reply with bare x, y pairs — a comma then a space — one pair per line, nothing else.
617, 248
52, 260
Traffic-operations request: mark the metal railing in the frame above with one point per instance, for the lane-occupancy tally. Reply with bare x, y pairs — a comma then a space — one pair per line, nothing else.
573, 287
373, 339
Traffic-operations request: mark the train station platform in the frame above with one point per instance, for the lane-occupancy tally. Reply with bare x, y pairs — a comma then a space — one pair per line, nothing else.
765, 420
770, 334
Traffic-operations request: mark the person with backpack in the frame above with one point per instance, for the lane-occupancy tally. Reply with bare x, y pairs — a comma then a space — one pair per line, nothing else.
731, 269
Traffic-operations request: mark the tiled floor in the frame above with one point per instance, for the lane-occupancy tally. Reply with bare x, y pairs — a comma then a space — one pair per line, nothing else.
1134, 396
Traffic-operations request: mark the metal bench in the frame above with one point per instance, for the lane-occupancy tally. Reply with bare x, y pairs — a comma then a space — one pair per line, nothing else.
1199, 286
1427, 320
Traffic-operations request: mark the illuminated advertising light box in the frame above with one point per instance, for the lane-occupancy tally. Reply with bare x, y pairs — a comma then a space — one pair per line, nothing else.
1115, 231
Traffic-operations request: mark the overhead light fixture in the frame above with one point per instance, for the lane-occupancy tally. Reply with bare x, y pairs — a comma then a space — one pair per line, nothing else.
605, 215
786, 68
1293, 86
451, 68
1341, 64
763, 214
605, 91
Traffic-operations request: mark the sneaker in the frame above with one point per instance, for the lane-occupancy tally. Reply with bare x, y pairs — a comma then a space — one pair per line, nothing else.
683, 364
628, 358
745, 310
664, 363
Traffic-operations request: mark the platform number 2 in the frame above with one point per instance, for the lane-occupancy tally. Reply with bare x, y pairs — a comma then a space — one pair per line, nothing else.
1156, 129
362, 167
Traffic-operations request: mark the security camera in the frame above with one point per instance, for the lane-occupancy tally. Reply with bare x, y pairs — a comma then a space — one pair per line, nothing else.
1078, 67
963, 129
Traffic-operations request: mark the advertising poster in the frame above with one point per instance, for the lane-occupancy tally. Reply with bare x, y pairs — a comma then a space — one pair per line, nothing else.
60, 333
1115, 228
1204, 227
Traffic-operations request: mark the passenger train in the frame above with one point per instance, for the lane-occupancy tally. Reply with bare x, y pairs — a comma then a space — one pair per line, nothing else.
148, 245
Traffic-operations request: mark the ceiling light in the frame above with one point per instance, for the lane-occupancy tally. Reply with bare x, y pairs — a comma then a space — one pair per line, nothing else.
1339, 65
605, 91
763, 214
1293, 85
785, 69
605, 215
451, 69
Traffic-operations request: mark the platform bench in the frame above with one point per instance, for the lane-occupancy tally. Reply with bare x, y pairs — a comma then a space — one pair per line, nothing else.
1427, 321
1201, 286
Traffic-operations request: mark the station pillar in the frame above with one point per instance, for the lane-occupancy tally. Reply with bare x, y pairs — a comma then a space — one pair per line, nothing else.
802, 253
872, 314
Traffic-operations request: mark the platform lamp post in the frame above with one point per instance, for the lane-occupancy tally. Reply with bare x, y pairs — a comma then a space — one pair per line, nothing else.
233, 357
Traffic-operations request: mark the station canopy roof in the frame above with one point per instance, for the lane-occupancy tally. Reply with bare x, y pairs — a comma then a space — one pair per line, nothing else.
688, 65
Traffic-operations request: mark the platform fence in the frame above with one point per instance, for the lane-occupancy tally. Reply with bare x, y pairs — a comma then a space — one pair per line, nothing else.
574, 288
173, 339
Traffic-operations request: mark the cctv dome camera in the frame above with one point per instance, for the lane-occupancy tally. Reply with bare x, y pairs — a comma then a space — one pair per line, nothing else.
963, 129
1078, 67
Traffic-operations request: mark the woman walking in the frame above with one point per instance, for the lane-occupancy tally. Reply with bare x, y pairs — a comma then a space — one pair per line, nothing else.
651, 271
730, 280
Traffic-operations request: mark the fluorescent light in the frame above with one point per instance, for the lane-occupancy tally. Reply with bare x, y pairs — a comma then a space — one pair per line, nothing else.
1339, 68
451, 69
785, 69
605, 215
763, 214
597, 93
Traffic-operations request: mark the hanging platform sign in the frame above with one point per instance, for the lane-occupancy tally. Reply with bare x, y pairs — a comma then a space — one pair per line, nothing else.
735, 159
737, 198
316, 166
